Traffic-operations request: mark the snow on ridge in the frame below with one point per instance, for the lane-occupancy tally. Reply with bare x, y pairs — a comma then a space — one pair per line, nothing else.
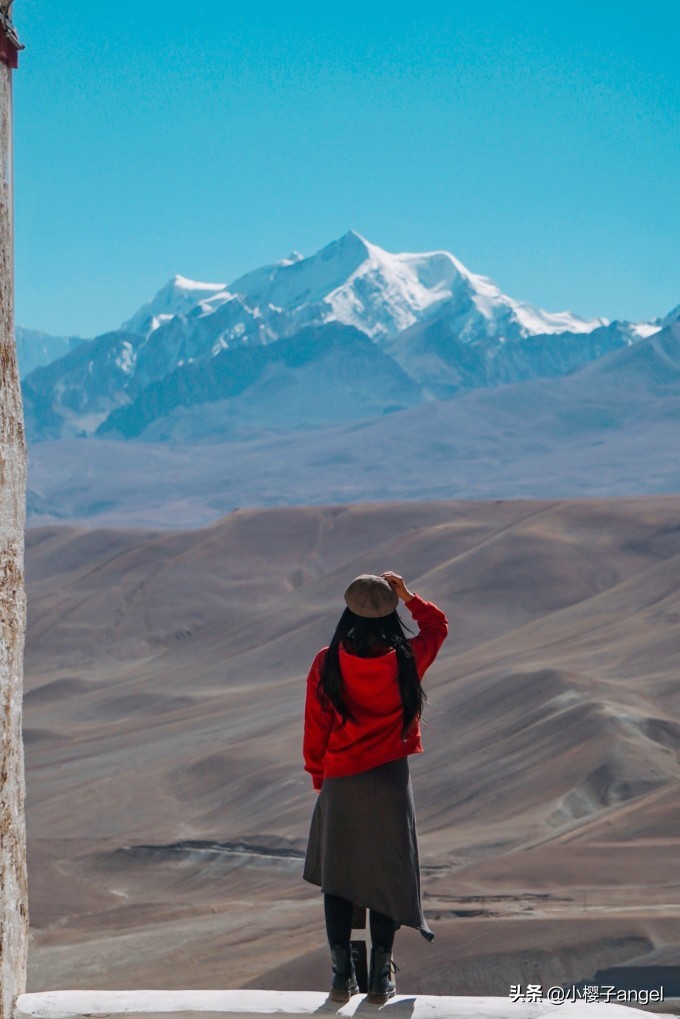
158, 320
536, 320
386, 293
418, 282
487, 297
126, 358
208, 305
293, 285
184, 283
644, 329
358, 283
177, 297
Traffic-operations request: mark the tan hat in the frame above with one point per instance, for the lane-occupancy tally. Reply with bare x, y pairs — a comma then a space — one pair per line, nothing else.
371, 597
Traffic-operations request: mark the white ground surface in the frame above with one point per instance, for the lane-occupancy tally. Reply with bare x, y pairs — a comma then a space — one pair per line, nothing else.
244, 1004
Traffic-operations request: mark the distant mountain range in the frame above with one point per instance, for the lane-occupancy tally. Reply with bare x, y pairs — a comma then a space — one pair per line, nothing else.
288, 345
609, 429
36, 349
292, 354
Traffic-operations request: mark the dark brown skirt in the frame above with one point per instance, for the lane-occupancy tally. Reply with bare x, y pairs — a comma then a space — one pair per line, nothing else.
363, 843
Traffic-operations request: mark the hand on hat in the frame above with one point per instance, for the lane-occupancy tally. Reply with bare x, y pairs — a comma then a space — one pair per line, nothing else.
398, 586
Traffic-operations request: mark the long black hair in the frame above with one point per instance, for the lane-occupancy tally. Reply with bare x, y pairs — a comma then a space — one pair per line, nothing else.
359, 634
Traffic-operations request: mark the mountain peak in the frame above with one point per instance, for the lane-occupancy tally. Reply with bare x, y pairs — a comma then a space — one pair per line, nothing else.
178, 282
176, 297
351, 246
353, 236
672, 316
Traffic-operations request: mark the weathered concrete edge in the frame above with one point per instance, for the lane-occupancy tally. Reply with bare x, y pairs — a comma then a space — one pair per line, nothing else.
237, 1004
13, 880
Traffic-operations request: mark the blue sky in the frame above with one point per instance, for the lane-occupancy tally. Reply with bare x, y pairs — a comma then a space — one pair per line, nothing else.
540, 143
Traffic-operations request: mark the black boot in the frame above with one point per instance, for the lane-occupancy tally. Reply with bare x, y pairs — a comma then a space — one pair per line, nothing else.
344, 978
380, 987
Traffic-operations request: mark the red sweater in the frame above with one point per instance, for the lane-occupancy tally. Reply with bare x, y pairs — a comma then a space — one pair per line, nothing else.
371, 693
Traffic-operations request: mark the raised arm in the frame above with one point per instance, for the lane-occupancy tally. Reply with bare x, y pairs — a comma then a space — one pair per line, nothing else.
318, 724
433, 626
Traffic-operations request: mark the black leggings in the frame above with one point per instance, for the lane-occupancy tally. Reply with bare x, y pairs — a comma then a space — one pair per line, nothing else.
339, 923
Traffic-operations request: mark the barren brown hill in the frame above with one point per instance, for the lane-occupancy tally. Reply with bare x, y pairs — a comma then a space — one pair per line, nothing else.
167, 805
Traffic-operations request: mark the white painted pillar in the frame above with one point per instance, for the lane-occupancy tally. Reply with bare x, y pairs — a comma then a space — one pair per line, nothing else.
13, 890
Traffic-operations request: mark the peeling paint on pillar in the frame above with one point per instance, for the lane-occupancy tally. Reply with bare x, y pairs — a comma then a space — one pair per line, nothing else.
13, 886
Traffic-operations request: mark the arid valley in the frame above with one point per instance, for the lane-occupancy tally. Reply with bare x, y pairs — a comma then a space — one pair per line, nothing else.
167, 806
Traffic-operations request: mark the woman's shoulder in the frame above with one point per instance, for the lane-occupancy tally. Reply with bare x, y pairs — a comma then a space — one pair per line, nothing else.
319, 657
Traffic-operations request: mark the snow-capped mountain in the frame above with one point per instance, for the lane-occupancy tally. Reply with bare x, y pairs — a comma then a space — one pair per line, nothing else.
179, 296
436, 324
357, 283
